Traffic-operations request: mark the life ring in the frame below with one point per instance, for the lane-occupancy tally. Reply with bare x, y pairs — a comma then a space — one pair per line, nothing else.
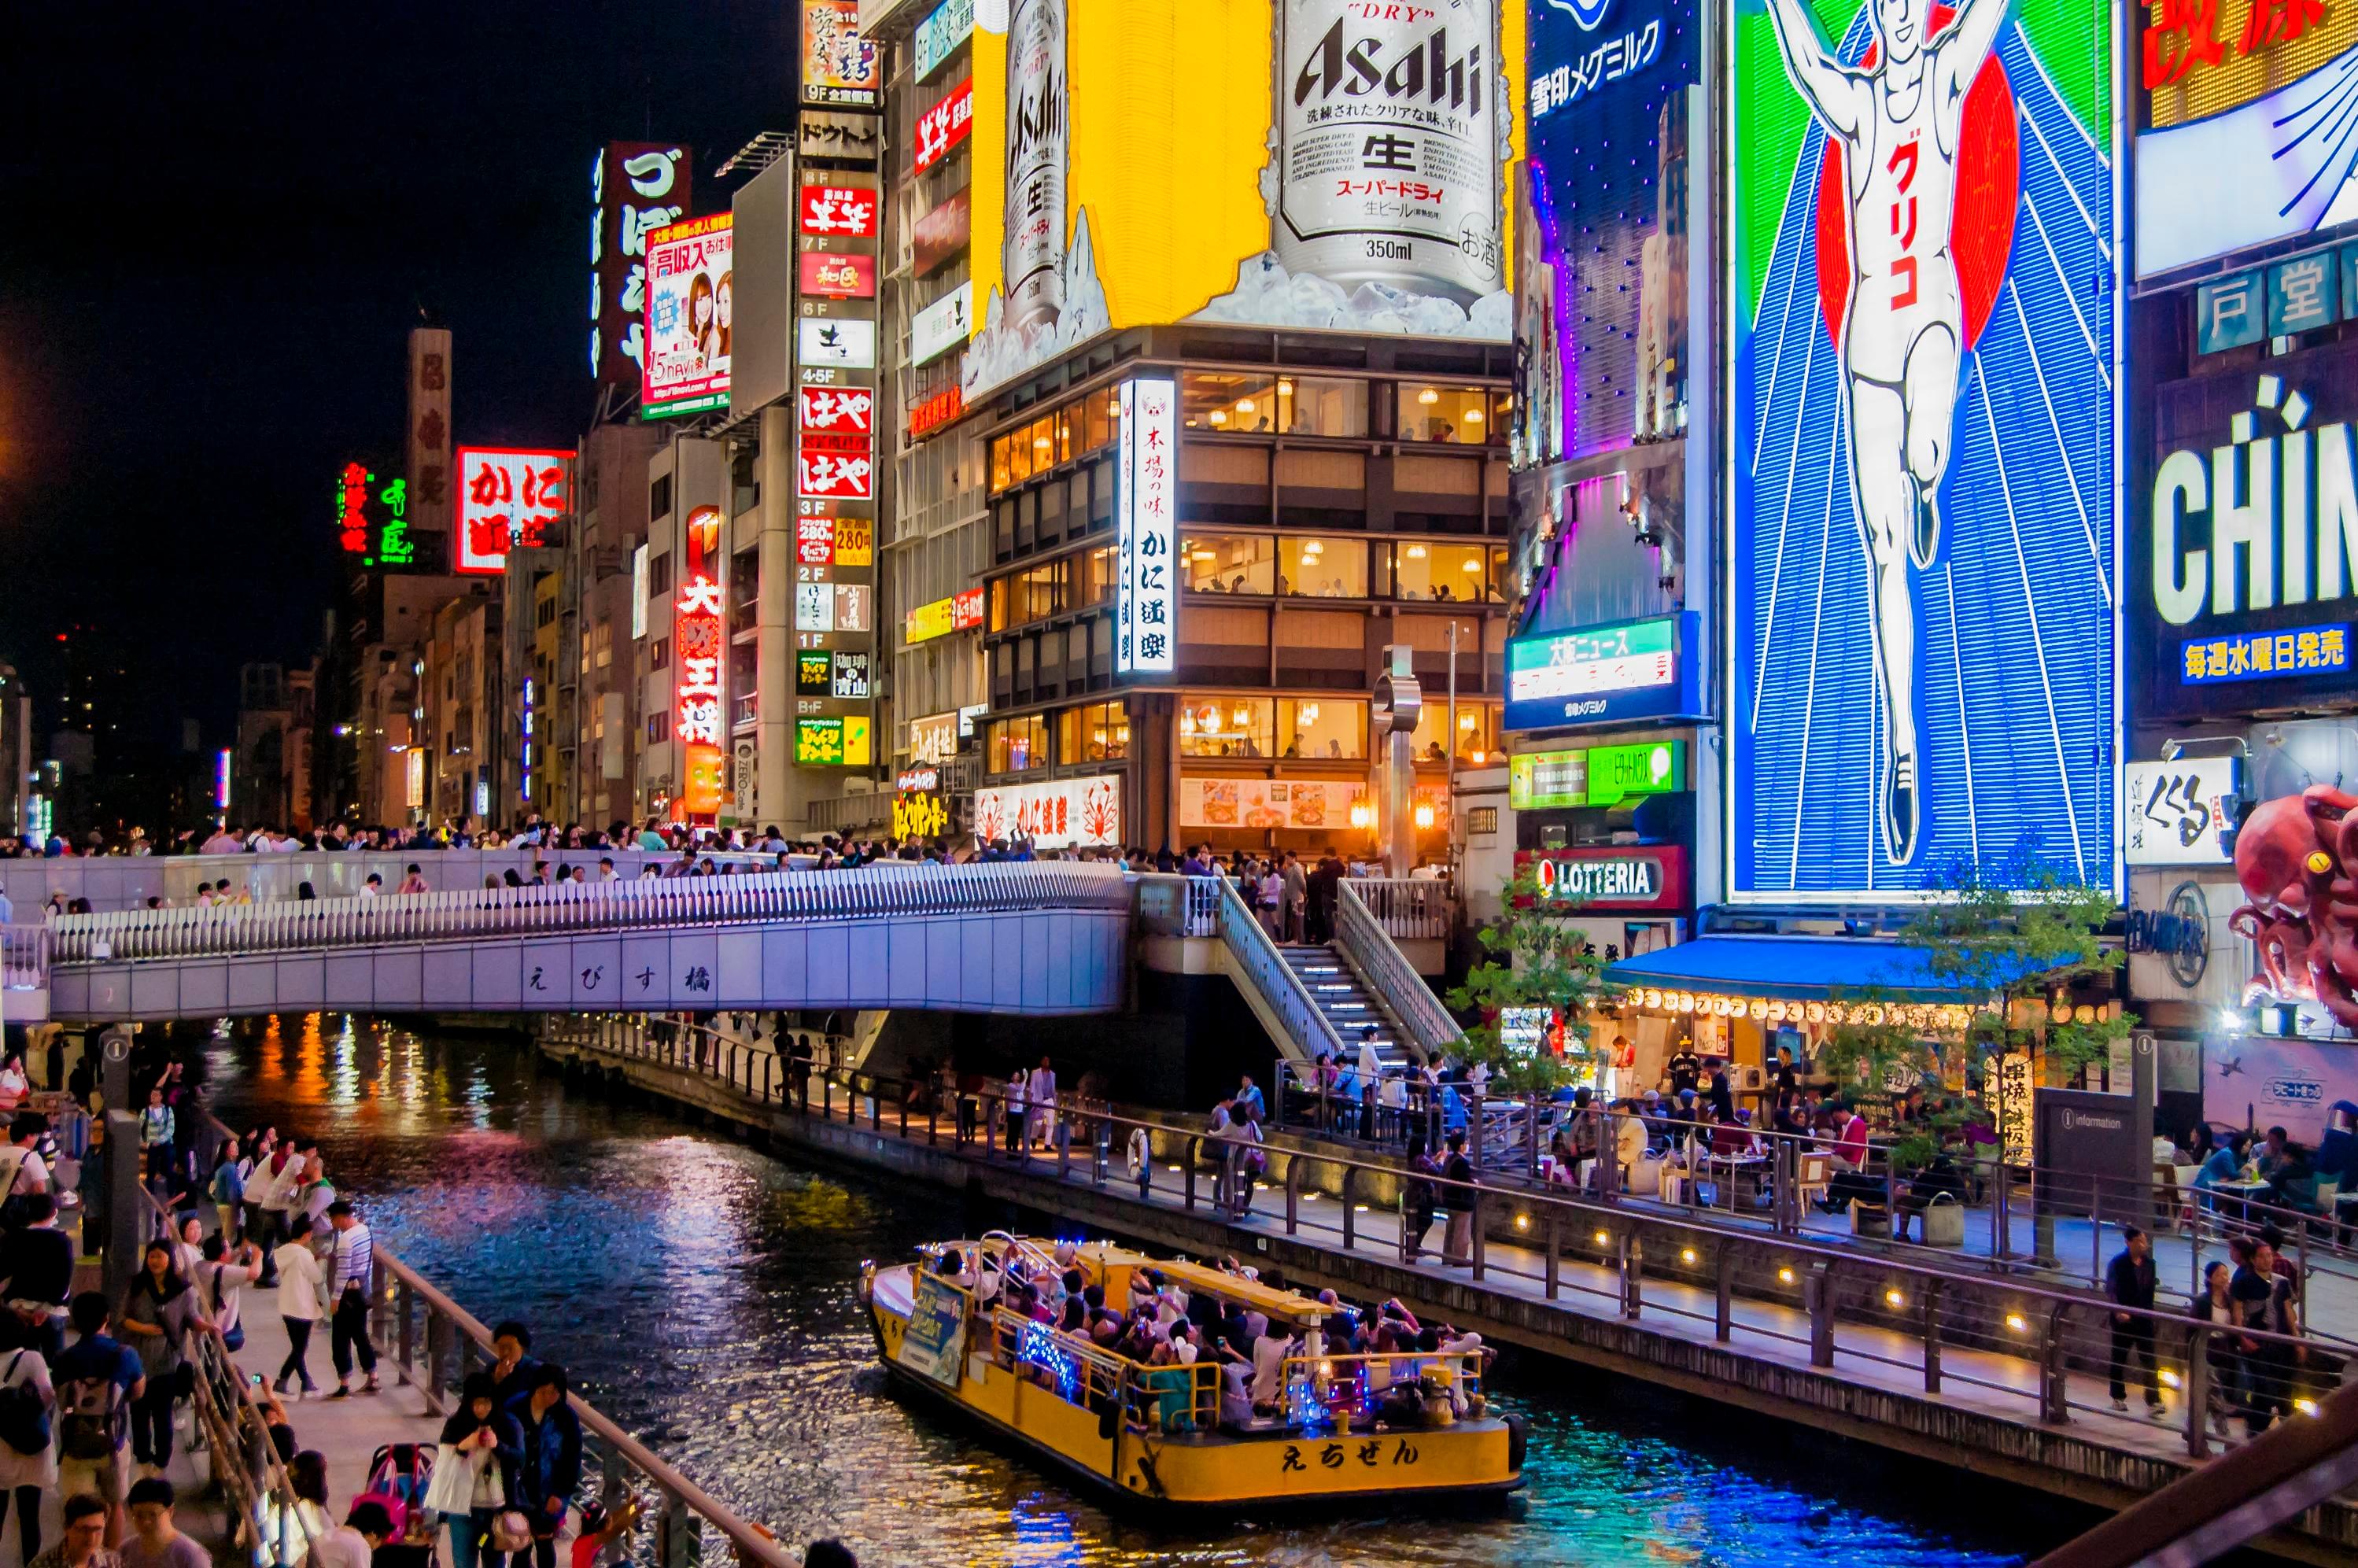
1139, 1153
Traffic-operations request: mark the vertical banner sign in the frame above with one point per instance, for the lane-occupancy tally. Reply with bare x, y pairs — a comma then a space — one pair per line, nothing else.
839, 67
354, 526
690, 295
636, 188
836, 460
509, 498
700, 643
1146, 540
1922, 543
429, 432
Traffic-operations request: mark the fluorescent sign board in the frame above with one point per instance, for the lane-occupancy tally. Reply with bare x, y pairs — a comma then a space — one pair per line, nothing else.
1146, 515
1547, 781
2182, 812
1600, 675
940, 237
842, 743
636, 189
838, 65
960, 612
1060, 814
945, 125
838, 211
939, 35
1617, 773
941, 325
691, 291
836, 341
509, 498
1924, 386
832, 274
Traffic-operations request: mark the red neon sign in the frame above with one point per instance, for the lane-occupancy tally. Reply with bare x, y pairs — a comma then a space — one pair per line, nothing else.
698, 640
509, 498
839, 210
352, 509
945, 125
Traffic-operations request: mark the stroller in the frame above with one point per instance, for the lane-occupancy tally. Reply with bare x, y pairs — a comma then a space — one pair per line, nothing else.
398, 1476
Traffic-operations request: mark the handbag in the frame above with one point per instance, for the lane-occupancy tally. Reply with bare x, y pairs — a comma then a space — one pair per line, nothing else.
510, 1531
451, 1490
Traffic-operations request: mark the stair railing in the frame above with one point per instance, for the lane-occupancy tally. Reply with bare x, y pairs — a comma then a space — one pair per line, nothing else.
1258, 964
1397, 985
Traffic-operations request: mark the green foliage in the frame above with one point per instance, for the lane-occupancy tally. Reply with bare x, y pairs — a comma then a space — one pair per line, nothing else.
2017, 934
1532, 957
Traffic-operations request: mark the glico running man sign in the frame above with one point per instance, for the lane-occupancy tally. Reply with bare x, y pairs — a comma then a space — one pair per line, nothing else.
1923, 387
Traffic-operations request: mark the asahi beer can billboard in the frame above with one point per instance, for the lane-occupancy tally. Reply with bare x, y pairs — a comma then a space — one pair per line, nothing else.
1336, 165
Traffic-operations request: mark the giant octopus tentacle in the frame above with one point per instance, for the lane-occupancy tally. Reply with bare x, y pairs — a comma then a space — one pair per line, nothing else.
2291, 861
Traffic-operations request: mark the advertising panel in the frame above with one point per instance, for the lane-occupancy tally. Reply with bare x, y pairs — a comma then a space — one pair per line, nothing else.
1547, 781
1601, 279
939, 35
1146, 515
509, 498
933, 739
690, 286
1305, 164
935, 410
839, 66
940, 237
836, 342
2243, 569
699, 645
941, 325
2259, 1080
832, 742
1604, 674
960, 612
1611, 877
636, 188
1924, 376
837, 212
2240, 139
1266, 803
835, 276
1062, 814
2182, 812
429, 430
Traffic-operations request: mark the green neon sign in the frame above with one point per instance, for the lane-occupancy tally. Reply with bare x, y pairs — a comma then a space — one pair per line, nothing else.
1653, 767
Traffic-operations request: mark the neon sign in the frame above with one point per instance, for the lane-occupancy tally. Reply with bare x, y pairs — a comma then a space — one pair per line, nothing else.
352, 509
698, 637
509, 498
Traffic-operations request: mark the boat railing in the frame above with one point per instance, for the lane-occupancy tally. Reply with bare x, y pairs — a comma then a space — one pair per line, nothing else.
1341, 1387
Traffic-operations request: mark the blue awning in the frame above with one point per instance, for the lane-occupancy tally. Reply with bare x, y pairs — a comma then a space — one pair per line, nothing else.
1793, 968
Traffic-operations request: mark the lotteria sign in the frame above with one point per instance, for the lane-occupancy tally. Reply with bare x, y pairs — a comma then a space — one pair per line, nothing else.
1611, 877
1604, 674
2246, 580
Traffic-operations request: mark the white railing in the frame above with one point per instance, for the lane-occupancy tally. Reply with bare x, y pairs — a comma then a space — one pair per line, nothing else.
1260, 966
24, 957
1408, 908
1367, 943
880, 892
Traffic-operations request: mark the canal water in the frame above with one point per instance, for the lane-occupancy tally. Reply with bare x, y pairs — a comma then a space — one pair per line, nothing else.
702, 1295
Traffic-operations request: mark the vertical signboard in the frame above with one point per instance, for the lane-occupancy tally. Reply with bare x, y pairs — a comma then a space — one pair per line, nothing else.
700, 643
636, 188
428, 473
1924, 375
509, 498
836, 470
839, 67
691, 293
1145, 485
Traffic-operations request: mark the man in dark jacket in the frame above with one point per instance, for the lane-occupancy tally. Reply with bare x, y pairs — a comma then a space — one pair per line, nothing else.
552, 1458
37, 1271
2129, 1282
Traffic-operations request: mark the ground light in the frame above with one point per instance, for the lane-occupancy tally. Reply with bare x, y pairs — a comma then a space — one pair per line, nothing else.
1687, 1255
1522, 1222
2015, 1321
2169, 1380
1605, 1238
1785, 1276
1893, 1299
2306, 1406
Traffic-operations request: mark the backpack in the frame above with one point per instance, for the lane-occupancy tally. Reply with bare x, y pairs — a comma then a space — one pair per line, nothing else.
24, 1418
398, 1476
93, 1420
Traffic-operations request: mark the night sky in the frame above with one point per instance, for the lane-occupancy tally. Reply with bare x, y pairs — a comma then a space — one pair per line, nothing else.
217, 225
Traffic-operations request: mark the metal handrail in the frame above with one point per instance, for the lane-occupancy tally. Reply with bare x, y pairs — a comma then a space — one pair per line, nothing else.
2037, 1325
1259, 963
1369, 946
224, 930
1419, 908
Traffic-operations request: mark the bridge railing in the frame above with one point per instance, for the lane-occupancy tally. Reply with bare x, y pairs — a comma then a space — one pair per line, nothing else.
1408, 908
24, 957
1891, 1314
883, 891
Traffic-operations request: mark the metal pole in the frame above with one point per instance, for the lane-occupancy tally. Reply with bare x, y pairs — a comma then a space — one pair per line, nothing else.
1449, 744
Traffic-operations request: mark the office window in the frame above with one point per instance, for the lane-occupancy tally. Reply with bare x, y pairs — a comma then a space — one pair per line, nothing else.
1227, 563
1226, 726
659, 496
1227, 400
1096, 572
659, 654
1320, 405
1446, 571
659, 574
1019, 745
1322, 727
1097, 734
659, 727
1458, 414
1322, 567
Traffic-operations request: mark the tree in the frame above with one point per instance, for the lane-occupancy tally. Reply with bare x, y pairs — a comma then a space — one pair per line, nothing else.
2012, 935
1532, 957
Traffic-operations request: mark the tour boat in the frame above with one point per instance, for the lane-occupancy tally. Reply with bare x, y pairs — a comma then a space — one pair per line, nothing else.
1342, 1427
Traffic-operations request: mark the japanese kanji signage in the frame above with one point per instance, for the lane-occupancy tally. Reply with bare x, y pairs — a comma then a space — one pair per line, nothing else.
2182, 812
945, 125
838, 65
691, 296
940, 34
940, 236
699, 649
353, 525
1146, 486
509, 498
429, 494
837, 276
838, 211
636, 188
942, 326
1061, 815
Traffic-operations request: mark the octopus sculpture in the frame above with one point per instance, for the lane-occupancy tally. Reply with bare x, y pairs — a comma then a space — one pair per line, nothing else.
2294, 858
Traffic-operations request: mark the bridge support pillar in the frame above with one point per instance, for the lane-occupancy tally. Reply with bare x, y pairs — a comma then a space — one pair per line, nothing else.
126, 1223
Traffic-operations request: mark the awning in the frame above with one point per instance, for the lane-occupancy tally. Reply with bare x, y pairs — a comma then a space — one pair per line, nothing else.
1792, 967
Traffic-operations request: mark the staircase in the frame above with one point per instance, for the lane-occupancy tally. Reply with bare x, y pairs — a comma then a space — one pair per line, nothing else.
1334, 987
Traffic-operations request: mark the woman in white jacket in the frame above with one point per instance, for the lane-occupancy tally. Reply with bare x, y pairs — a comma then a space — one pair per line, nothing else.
300, 1286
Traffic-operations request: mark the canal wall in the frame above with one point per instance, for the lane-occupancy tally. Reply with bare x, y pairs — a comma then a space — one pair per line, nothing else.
2064, 1459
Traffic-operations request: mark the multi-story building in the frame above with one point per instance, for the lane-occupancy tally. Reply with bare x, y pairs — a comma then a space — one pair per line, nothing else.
271, 763
462, 688
597, 746
389, 622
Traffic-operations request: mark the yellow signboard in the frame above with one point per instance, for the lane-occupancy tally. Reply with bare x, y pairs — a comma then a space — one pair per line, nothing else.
927, 622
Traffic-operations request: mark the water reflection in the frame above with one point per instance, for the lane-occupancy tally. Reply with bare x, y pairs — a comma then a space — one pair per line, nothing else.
702, 1295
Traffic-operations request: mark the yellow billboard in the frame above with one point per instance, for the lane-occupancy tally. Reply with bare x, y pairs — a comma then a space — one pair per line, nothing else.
1308, 164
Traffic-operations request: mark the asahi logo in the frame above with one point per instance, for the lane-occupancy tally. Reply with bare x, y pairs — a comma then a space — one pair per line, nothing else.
1357, 68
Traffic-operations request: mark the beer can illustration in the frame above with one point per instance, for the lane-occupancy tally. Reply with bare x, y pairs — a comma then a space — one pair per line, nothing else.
1037, 153
1387, 145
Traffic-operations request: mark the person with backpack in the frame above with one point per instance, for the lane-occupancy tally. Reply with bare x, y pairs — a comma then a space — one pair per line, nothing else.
28, 1459
221, 1274
23, 1173
37, 1271
158, 1311
96, 1381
